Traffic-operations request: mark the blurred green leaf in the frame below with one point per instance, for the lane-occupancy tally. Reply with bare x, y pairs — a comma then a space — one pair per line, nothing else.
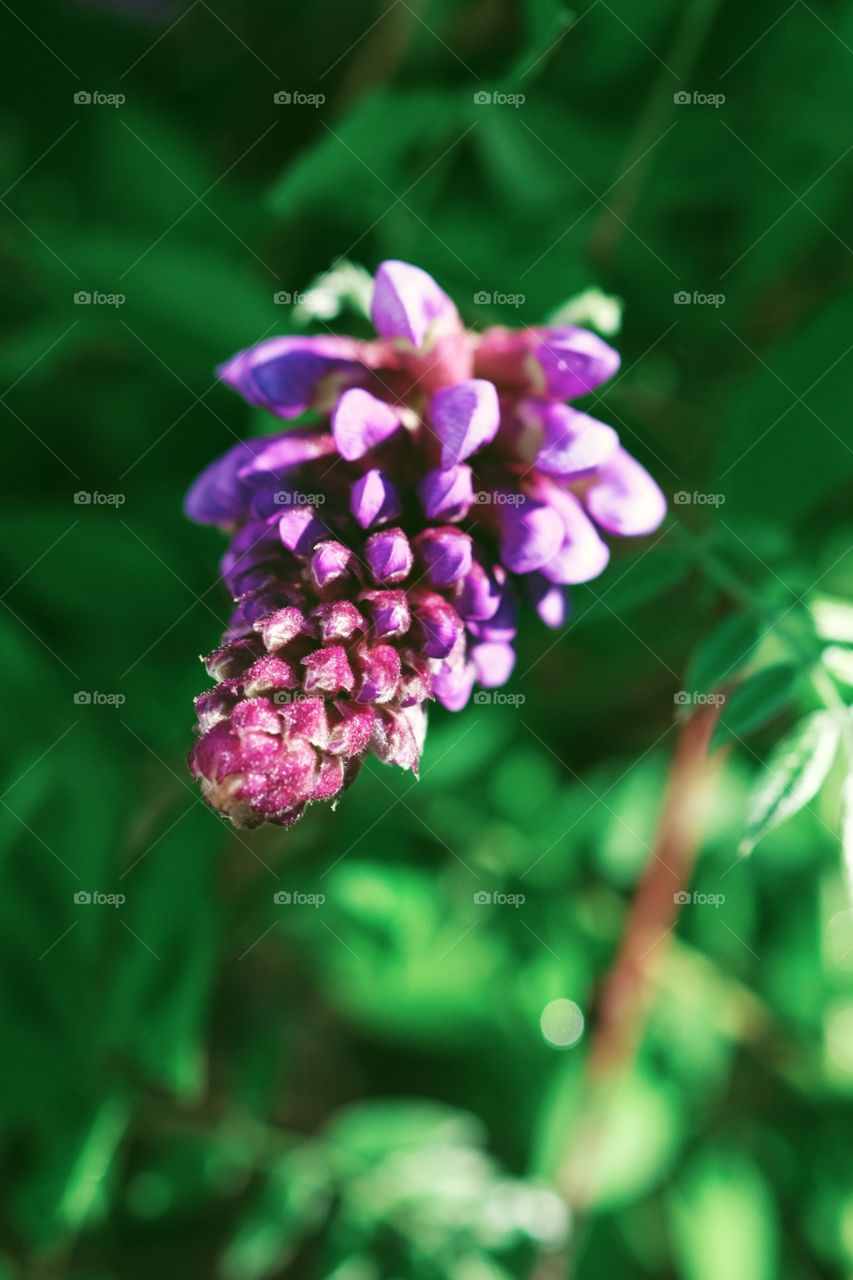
721, 655
724, 1220
792, 776
644, 1127
756, 701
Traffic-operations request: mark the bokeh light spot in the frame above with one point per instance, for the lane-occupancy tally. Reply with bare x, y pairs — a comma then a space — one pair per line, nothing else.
562, 1023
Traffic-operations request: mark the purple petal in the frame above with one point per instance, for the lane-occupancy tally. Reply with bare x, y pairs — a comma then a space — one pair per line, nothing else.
408, 304
299, 529
289, 375
480, 594
550, 602
232, 659
501, 625
440, 623
572, 442
453, 681
583, 555
331, 563
279, 628
623, 498
388, 611
374, 500
360, 422
415, 679
398, 736
352, 731
268, 674
337, 620
447, 495
307, 718
574, 361
531, 535
218, 495
257, 715
379, 670
465, 417
331, 779
389, 556
250, 559
328, 671
493, 664
446, 554
273, 456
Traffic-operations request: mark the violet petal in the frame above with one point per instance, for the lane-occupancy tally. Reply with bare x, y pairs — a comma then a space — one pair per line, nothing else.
407, 303
360, 422
583, 554
374, 499
299, 529
465, 417
573, 442
445, 553
623, 498
531, 535
574, 361
493, 663
550, 601
389, 556
287, 375
447, 495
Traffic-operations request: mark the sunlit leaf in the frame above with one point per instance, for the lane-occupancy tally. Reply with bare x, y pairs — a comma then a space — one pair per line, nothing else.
792, 776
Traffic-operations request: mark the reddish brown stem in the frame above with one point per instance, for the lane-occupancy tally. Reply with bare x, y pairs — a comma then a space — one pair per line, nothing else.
629, 987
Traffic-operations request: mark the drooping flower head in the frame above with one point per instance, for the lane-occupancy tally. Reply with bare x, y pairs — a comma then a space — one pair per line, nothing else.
437, 481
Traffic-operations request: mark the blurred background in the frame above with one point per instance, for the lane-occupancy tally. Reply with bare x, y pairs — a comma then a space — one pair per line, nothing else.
385, 1044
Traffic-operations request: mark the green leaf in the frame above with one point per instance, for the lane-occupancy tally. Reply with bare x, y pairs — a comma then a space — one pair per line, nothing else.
724, 1221
756, 701
290, 1205
77, 1150
391, 128
344, 288
847, 823
839, 660
833, 619
792, 776
591, 309
640, 1144
546, 20
723, 652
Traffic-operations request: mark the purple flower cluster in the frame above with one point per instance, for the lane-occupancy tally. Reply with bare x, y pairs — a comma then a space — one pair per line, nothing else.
378, 554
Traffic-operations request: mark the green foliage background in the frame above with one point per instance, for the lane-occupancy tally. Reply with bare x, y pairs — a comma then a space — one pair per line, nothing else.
201, 1081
